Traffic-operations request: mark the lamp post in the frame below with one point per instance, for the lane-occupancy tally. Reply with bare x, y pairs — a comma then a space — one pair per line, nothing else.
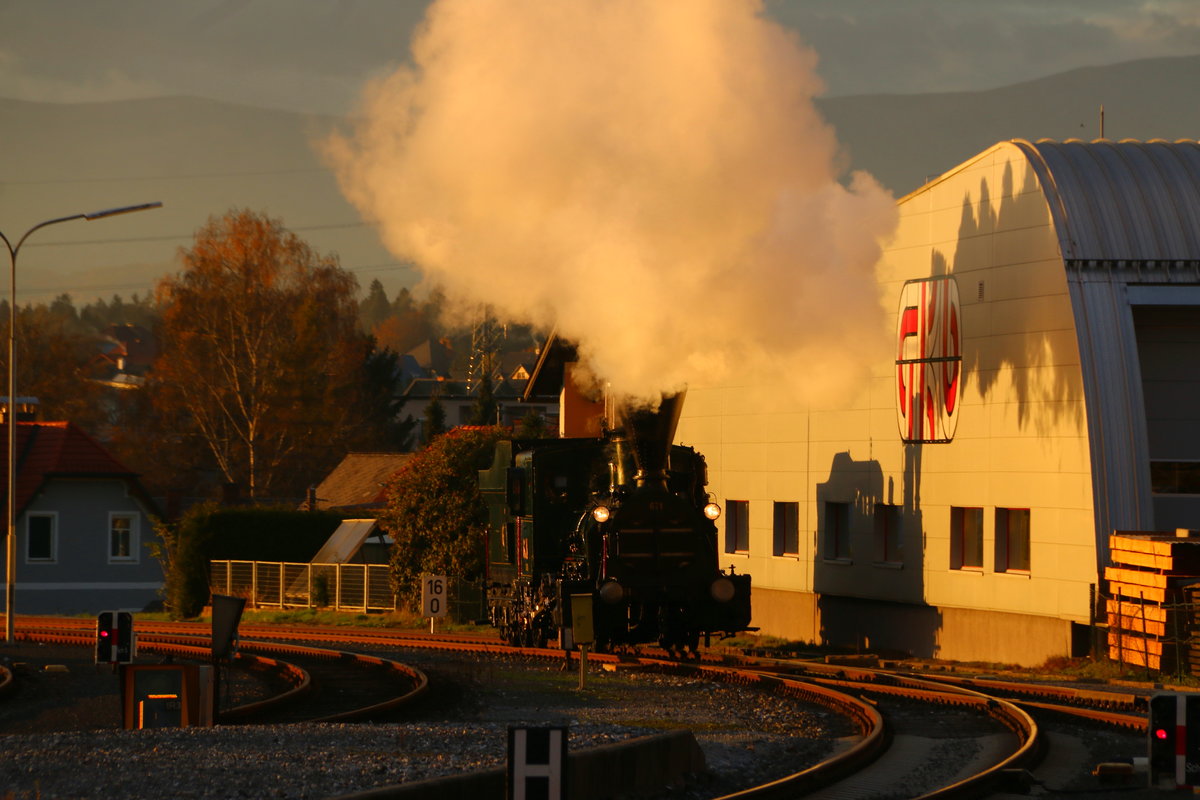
11, 548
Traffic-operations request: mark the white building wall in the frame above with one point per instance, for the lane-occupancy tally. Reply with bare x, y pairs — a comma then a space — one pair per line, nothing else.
1020, 440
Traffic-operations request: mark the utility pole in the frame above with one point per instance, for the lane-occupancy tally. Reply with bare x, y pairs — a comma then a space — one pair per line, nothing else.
487, 340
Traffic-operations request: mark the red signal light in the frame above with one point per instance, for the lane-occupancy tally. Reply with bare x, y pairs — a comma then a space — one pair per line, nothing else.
1160, 733
103, 634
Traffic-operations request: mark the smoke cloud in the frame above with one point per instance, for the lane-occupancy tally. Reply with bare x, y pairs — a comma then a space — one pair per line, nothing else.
650, 178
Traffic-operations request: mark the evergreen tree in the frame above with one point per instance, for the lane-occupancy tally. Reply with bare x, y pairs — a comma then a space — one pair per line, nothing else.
403, 304
375, 309
435, 419
485, 409
533, 426
434, 511
64, 310
95, 314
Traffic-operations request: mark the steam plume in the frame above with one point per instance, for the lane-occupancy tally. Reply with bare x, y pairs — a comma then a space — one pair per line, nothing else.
650, 177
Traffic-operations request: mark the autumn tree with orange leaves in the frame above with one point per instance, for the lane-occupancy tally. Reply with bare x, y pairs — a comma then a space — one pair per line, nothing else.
262, 361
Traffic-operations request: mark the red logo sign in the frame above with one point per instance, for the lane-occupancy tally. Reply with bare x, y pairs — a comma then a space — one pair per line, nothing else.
928, 360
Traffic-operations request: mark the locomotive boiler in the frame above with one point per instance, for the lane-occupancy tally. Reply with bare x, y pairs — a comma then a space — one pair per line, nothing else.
621, 521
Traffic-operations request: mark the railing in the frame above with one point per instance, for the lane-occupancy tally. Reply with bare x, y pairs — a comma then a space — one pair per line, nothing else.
339, 587
277, 584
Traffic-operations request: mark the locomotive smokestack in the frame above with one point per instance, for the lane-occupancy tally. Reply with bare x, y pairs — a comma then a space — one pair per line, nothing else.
651, 432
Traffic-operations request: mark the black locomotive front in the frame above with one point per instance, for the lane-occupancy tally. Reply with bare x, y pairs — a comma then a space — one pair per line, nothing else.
623, 520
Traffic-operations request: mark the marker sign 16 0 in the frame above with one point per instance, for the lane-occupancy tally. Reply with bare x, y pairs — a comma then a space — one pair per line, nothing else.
433, 595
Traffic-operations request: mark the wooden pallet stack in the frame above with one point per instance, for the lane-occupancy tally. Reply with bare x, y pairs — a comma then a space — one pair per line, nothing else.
1150, 582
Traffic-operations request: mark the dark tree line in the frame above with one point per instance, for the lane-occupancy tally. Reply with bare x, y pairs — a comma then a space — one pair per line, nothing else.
263, 377
268, 368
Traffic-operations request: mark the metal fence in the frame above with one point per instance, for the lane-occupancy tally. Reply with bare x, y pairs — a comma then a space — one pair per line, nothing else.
277, 584
338, 587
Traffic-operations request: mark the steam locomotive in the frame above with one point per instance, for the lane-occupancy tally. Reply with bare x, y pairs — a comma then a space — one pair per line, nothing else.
621, 522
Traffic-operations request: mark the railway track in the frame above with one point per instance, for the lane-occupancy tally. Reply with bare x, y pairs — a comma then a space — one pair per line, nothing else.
1053, 726
892, 712
313, 684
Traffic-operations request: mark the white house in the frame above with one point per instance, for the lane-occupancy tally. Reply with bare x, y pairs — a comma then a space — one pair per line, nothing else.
83, 526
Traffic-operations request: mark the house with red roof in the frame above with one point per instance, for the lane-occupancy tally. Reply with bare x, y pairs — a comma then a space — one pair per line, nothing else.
83, 525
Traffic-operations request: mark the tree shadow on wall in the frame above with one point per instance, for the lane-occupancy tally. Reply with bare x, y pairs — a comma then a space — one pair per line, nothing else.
850, 575
1005, 309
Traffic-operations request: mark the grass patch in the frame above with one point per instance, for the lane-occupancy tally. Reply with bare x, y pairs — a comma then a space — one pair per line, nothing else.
767, 645
1104, 670
315, 616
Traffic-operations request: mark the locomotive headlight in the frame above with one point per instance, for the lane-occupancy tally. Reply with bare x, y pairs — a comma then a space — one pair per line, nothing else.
712, 511
722, 590
612, 592
601, 513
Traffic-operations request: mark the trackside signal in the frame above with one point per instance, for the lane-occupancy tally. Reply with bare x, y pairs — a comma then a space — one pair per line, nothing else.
115, 641
1173, 736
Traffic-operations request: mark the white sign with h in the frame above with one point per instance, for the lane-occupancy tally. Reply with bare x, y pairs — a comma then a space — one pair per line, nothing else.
537, 763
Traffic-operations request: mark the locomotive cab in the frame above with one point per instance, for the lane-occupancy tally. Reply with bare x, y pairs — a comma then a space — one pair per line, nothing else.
624, 519
658, 578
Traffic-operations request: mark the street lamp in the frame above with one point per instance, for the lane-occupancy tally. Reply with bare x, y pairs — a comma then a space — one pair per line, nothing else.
11, 575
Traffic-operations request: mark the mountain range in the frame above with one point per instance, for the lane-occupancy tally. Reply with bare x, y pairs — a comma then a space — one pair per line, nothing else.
202, 157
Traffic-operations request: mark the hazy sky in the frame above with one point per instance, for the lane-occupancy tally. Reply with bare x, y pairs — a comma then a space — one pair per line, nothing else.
318, 55
314, 56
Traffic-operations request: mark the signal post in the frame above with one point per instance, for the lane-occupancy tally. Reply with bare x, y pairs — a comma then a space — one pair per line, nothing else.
115, 639
1174, 741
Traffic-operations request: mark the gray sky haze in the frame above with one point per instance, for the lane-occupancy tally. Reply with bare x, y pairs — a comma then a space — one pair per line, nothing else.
318, 56
315, 56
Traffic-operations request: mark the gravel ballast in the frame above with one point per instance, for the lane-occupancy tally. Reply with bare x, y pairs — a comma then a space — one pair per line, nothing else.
70, 744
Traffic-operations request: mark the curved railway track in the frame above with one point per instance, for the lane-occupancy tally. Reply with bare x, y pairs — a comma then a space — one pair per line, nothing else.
869, 697
319, 685
1038, 705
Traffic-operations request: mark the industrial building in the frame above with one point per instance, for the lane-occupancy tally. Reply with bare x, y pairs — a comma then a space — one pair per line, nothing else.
1040, 393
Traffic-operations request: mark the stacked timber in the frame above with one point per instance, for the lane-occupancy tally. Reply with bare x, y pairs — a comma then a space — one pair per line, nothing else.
1151, 581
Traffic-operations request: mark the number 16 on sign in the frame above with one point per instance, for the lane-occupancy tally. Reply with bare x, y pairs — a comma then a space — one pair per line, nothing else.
433, 597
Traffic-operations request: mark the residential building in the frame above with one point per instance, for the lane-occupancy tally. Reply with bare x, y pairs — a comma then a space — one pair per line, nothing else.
84, 526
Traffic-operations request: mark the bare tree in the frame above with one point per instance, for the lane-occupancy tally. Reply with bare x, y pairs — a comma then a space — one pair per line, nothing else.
260, 349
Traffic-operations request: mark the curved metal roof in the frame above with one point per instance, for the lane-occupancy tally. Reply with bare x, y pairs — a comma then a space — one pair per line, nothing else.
1121, 201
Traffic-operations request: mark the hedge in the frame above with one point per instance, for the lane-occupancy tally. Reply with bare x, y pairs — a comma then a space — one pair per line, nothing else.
209, 532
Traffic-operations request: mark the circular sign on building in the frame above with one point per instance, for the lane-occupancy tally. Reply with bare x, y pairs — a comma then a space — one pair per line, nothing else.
928, 360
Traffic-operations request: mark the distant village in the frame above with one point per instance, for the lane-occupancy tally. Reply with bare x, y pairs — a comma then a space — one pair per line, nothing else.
133, 411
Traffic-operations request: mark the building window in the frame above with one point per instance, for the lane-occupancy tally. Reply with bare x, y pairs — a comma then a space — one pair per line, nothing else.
887, 534
837, 531
1175, 477
737, 526
122, 537
1012, 540
786, 529
966, 538
41, 534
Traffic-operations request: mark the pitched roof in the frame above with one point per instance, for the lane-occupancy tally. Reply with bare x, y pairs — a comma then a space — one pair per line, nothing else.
47, 450
433, 356
358, 481
548, 374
